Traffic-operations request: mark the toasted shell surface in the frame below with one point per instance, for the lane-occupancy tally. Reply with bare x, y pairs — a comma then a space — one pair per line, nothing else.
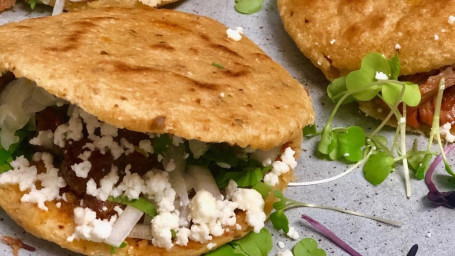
150, 70
57, 224
89, 4
336, 34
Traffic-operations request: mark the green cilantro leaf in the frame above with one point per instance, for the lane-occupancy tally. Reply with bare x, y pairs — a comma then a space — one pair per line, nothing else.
351, 143
336, 88
310, 130
395, 67
391, 93
248, 6
263, 189
257, 244
280, 221
282, 200
378, 167
32, 3
161, 144
141, 204
308, 247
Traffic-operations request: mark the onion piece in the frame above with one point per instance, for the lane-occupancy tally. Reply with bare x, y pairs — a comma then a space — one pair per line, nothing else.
266, 157
330, 235
198, 148
446, 199
141, 231
204, 180
58, 7
177, 180
123, 226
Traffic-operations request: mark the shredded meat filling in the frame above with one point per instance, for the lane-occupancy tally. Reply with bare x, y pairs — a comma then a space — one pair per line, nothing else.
101, 164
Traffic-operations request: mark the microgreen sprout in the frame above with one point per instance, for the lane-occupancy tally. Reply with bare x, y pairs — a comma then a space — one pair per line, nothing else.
376, 79
280, 221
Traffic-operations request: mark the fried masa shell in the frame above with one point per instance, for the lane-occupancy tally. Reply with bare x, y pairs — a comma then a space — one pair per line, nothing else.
57, 224
89, 4
151, 70
336, 34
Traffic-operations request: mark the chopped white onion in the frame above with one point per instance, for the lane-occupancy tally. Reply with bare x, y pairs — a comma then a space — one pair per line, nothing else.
20, 99
266, 157
141, 231
177, 180
58, 7
123, 226
198, 148
204, 180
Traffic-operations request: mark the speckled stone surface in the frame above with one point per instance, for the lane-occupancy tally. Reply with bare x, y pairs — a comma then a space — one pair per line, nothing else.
431, 228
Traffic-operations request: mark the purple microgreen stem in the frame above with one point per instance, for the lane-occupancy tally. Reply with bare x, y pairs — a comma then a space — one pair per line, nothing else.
445, 198
330, 235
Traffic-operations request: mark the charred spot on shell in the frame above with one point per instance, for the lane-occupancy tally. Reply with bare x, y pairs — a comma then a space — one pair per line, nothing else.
236, 73
123, 98
158, 123
162, 46
194, 50
169, 25
206, 85
225, 49
104, 53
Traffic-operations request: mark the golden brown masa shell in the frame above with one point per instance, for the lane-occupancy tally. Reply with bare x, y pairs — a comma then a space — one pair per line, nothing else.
89, 4
356, 28
150, 70
56, 225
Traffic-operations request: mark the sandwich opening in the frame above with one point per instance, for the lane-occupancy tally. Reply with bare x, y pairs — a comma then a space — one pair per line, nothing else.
122, 183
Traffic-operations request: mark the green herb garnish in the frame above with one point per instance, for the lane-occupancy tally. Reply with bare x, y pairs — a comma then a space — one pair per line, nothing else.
257, 244
141, 204
248, 6
123, 245
376, 79
217, 65
308, 247
32, 3
280, 221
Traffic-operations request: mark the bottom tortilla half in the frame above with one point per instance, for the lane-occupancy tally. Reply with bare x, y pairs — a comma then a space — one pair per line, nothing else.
57, 224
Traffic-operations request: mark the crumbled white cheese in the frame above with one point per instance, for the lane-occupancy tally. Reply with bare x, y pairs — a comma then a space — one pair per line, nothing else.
22, 174
436, 37
182, 236
236, 34
44, 138
288, 158
210, 246
332, 41
381, 76
26, 176
281, 245
58, 205
132, 185
118, 209
146, 146
293, 233
238, 227
451, 19
106, 188
285, 253
108, 130
444, 130
89, 227
222, 95
402, 120
250, 201
82, 169
162, 224
428, 235
158, 189
271, 179
209, 216
170, 165
397, 46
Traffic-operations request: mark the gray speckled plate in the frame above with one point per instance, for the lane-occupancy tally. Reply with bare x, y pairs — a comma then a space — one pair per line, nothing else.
431, 228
